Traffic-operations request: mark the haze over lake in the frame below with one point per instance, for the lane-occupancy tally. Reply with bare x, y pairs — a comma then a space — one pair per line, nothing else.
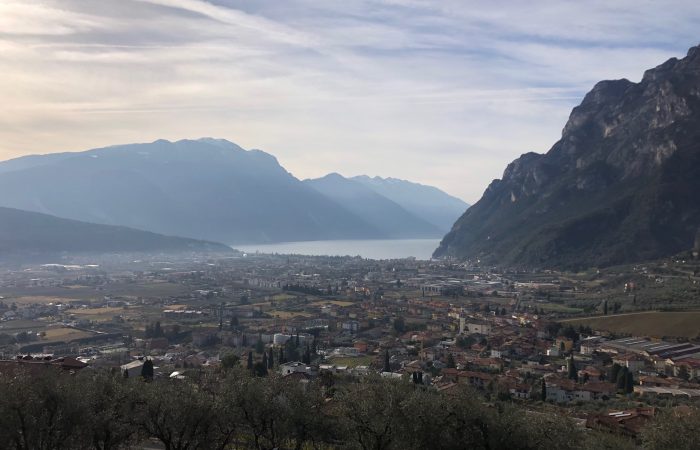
372, 249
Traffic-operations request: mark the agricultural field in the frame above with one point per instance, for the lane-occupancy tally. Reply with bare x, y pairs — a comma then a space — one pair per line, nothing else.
279, 314
654, 323
65, 334
97, 314
352, 361
76, 292
17, 326
332, 302
555, 307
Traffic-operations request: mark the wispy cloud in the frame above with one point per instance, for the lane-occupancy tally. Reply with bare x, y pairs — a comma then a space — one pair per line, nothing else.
444, 93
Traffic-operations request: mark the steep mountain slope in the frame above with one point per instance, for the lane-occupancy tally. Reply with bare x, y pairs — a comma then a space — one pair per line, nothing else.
427, 202
206, 189
25, 234
384, 214
622, 184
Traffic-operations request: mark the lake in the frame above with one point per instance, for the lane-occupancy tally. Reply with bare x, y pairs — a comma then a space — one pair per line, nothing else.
372, 249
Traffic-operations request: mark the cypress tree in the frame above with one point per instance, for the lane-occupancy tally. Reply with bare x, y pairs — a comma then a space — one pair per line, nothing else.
573, 374
622, 378
544, 389
281, 359
147, 370
451, 361
387, 366
264, 360
250, 360
270, 360
629, 383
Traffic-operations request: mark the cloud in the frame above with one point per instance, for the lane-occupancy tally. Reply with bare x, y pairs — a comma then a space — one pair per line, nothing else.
444, 93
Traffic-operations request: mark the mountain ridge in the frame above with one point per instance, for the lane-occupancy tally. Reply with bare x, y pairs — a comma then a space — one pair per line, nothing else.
210, 189
428, 202
25, 234
618, 187
385, 214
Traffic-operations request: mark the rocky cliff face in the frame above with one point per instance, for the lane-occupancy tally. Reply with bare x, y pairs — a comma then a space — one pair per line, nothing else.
622, 184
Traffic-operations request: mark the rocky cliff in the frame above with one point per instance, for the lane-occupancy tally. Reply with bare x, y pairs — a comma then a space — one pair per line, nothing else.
621, 185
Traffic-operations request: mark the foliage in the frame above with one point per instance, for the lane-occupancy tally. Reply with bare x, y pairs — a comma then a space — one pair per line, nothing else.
104, 411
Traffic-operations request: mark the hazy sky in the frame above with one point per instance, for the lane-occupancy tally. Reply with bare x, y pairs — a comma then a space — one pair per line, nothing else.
440, 92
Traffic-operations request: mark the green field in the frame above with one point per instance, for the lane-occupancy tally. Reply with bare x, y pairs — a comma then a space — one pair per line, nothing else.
53, 294
352, 361
556, 308
653, 323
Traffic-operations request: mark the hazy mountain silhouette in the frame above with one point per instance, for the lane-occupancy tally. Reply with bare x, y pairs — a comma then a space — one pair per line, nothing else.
383, 213
427, 202
26, 234
206, 189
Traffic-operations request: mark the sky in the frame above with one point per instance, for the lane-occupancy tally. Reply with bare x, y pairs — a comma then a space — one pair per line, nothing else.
445, 93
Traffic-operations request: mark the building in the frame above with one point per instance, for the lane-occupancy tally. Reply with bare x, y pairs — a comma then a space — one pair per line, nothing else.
132, 369
294, 367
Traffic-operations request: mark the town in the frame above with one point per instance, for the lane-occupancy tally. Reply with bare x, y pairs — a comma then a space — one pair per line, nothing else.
539, 339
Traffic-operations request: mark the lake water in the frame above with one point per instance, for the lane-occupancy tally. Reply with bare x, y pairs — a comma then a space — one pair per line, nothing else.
372, 249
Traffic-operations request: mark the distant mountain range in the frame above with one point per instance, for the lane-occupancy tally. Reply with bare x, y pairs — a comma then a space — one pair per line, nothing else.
388, 204
622, 185
209, 189
427, 202
24, 235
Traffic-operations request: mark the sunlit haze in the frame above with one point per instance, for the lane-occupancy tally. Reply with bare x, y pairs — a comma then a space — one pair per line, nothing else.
443, 93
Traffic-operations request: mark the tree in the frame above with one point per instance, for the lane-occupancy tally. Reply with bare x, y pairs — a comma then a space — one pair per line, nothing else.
291, 351
281, 359
629, 383
571, 367
614, 372
673, 429
229, 361
399, 325
451, 361
387, 365
306, 358
250, 361
179, 416
605, 307
234, 322
157, 330
260, 369
147, 370
622, 378
270, 360
543, 392
374, 415
259, 346
683, 372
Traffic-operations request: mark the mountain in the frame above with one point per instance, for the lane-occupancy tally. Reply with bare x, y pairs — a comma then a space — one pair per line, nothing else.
383, 213
25, 234
427, 202
621, 185
206, 189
